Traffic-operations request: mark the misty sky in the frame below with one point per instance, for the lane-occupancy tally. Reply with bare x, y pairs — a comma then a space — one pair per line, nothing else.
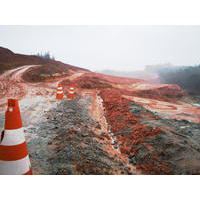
107, 47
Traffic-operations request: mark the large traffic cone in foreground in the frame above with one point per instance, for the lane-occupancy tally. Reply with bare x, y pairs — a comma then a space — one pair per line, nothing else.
14, 158
71, 92
59, 94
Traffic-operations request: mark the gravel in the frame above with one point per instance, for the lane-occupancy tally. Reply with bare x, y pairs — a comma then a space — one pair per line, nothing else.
176, 147
64, 142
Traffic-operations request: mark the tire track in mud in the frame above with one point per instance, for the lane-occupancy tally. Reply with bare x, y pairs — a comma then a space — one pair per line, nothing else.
12, 85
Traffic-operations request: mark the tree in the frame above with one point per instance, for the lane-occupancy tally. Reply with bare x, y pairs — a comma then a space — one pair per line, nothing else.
45, 55
186, 77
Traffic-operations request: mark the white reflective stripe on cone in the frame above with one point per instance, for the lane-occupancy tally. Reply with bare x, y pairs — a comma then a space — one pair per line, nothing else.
59, 92
13, 137
15, 167
71, 88
59, 88
71, 92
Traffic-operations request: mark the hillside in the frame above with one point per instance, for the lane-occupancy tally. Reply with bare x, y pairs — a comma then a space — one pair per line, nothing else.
10, 60
114, 125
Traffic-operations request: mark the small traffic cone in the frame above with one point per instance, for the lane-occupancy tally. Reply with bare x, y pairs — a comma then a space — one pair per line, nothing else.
14, 158
71, 92
59, 94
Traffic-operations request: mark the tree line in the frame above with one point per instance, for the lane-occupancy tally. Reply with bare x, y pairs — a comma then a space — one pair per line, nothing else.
187, 77
46, 55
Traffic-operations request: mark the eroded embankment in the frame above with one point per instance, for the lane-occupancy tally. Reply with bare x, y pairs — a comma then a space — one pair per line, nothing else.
106, 136
153, 144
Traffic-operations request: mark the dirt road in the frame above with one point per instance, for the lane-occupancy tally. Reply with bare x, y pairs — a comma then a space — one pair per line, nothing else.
74, 137
12, 85
62, 136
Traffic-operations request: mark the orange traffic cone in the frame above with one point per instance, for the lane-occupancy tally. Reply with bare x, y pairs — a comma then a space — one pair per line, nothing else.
14, 158
59, 94
71, 92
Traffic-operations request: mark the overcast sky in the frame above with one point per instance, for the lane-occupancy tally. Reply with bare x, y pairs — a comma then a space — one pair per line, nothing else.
107, 47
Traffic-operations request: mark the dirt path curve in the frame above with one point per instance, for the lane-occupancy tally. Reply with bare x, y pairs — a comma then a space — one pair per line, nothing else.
12, 85
34, 98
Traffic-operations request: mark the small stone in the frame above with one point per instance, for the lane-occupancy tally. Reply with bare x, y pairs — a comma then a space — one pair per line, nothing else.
84, 134
133, 160
98, 126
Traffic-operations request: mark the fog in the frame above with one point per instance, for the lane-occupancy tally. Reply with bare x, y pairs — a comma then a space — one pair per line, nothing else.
121, 48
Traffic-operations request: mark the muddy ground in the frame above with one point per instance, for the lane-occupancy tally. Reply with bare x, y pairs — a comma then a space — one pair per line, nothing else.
65, 142
176, 147
116, 125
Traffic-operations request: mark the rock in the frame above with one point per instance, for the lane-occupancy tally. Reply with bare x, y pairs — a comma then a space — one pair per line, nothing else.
84, 134
133, 160
69, 156
98, 126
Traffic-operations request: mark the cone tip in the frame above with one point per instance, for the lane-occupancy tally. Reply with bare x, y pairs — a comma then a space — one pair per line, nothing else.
12, 102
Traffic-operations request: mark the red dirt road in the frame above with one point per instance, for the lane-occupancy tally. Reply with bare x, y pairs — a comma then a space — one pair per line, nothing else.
12, 85
110, 99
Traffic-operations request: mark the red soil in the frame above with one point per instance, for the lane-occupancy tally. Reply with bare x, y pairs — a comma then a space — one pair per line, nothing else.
120, 119
174, 110
168, 92
91, 82
117, 94
129, 86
